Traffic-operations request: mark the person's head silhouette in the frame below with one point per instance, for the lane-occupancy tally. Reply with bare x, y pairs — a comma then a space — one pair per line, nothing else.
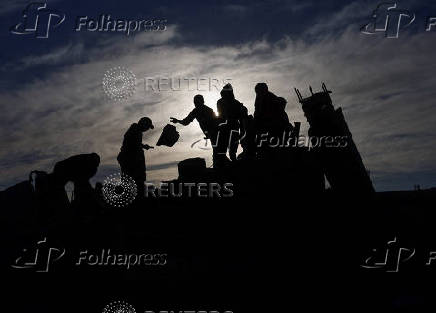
145, 124
227, 92
198, 101
261, 88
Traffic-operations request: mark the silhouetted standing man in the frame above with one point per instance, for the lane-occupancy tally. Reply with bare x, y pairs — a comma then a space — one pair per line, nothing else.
270, 118
208, 123
231, 113
131, 157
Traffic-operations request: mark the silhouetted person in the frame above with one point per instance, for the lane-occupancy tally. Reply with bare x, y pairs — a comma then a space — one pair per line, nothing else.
270, 117
208, 123
248, 138
231, 113
79, 169
131, 157
283, 116
50, 188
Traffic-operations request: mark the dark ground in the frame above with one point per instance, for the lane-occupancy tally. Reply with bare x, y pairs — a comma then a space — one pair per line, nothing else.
251, 252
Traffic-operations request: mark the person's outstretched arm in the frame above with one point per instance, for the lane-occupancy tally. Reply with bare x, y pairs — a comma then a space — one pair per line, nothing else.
186, 121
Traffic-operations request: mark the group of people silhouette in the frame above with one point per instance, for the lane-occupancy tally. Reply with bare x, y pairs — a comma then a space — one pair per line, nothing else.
231, 127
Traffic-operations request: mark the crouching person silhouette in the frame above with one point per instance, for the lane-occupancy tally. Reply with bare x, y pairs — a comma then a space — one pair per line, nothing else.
209, 125
131, 157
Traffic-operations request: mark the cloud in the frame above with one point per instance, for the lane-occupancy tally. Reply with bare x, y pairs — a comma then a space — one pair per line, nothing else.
69, 53
335, 22
235, 8
385, 87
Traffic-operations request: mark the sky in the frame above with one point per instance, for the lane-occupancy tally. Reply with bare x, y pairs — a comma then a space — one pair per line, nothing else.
54, 106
